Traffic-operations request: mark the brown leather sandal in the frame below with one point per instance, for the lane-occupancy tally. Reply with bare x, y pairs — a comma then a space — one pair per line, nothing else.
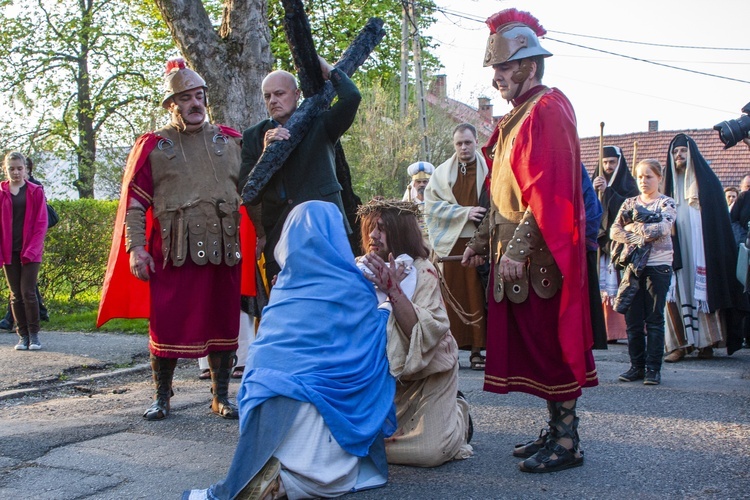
477, 361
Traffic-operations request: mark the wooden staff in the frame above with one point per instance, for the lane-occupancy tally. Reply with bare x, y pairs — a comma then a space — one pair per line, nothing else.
601, 155
451, 258
635, 157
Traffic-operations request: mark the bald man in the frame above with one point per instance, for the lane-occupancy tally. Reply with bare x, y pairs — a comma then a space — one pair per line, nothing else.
310, 171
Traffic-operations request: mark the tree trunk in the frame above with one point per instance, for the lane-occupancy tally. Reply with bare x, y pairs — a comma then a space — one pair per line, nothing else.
86, 147
233, 61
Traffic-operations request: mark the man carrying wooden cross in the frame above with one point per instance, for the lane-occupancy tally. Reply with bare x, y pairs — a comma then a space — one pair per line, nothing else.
309, 173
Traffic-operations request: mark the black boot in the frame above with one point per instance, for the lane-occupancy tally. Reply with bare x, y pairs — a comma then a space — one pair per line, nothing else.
162, 370
528, 449
221, 363
553, 456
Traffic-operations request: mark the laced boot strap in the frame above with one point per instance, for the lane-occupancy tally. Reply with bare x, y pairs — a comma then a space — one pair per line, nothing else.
554, 415
566, 424
221, 363
162, 371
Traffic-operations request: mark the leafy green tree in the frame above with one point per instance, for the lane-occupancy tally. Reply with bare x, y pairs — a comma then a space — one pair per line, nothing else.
335, 23
381, 143
76, 77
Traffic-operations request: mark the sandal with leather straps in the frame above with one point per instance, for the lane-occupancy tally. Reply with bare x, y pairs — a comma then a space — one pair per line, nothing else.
552, 456
543, 461
477, 361
526, 450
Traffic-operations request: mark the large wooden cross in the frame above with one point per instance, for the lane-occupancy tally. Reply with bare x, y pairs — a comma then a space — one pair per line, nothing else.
318, 96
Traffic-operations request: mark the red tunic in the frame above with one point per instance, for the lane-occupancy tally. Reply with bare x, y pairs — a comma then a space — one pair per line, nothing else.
529, 349
192, 309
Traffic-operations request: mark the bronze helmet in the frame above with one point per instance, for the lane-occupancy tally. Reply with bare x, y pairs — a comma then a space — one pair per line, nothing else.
179, 78
513, 36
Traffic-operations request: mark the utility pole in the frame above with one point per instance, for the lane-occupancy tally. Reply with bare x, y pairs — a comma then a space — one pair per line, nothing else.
417, 49
404, 84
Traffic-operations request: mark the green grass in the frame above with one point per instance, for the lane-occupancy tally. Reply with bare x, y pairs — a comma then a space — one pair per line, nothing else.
79, 315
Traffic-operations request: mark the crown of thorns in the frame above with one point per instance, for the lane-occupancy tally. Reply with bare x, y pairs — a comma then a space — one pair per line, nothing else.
377, 205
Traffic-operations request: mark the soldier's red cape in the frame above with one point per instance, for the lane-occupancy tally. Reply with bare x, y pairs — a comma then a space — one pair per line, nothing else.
125, 296
556, 200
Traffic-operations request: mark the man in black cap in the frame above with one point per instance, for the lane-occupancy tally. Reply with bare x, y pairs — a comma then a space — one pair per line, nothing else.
702, 314
614, 184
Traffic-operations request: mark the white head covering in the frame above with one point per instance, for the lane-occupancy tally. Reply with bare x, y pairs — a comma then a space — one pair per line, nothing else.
420, 170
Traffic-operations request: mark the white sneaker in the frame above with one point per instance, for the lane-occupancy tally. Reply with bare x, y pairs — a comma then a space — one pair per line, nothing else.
34, 344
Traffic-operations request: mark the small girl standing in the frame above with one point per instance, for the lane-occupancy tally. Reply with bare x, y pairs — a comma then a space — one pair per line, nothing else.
23, 225
645, 316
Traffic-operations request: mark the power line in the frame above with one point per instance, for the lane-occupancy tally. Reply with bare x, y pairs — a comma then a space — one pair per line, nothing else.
476, 19
647, 61
648, 43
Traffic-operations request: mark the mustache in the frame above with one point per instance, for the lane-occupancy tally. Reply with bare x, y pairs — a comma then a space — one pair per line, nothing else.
195, 109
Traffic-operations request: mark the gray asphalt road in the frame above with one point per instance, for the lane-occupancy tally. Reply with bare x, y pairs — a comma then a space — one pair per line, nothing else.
82, 436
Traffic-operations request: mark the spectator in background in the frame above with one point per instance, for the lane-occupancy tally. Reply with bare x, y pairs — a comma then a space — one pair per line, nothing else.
745, 183
730, 194
593, 211
614, 184
646, 306
23, 225
7, 322
739, 215
703, 314
455, 203
420, 173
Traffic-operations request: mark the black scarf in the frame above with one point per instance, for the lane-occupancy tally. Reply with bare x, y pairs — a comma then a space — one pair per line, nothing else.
622, 187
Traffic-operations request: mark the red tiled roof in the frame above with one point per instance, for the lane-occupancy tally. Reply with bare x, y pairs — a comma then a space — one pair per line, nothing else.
729, 165
463, 113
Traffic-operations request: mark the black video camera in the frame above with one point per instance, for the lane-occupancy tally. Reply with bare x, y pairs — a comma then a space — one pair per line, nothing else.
733, 131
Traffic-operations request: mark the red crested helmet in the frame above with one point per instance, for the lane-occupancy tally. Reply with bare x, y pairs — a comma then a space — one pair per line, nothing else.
179, 78
513, 36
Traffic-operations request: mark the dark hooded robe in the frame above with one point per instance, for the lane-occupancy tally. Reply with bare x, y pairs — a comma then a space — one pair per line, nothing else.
722, 288
620, 187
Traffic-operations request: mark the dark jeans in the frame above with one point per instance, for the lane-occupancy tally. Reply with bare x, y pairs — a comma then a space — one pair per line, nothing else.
22, 283
43, 314
646, 348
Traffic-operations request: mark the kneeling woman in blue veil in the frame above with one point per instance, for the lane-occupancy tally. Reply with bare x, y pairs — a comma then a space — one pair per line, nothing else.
316, 399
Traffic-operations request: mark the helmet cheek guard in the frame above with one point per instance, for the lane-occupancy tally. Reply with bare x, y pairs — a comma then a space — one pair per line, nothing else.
523, 71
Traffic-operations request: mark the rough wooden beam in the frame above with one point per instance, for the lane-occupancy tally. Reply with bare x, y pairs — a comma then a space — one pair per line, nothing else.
299, 38
299, 124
